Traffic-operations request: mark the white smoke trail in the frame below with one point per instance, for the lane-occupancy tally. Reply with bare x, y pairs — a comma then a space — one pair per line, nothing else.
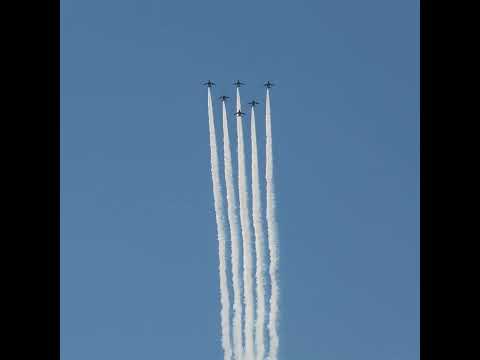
234, 232
259, 244
220, 219
272, 236
247, 255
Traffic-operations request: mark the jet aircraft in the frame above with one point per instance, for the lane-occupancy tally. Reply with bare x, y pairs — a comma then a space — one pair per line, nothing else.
253, 103
224, 98
209, 83
268, 84
239, 113
238, 83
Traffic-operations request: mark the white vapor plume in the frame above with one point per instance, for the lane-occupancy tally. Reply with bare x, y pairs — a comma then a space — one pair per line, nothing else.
234, 233
220, 219
272, 236
245, 225
259, 244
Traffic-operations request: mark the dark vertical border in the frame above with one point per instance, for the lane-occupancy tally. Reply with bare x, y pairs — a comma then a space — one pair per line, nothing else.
31, 219
52, 72
426, 220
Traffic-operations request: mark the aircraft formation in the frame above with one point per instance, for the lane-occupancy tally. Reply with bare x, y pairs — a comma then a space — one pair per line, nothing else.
237, 84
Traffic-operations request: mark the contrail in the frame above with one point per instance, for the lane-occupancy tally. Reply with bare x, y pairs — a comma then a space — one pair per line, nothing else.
272, 236
220, 219
233, 220
245, 224
259, 244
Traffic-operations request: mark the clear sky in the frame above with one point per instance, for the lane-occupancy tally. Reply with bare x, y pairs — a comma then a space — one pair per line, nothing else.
139, 261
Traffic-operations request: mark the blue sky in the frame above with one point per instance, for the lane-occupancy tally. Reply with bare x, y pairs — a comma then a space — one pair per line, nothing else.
139, 259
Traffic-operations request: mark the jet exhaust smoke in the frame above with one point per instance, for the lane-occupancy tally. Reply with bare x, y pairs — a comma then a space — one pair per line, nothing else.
272, 236
259, 245
234, 233
244, 334
245, 225
220, 220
